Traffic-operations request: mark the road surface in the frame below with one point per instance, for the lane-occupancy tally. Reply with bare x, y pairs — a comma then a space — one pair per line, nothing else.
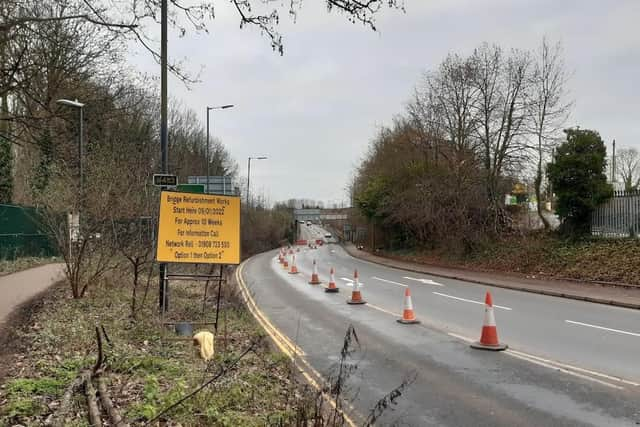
569, 362
19, 287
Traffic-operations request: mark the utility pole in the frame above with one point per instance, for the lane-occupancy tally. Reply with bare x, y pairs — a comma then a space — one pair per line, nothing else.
164, 146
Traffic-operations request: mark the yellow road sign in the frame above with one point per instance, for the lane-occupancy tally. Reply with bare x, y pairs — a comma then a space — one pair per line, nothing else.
198, 228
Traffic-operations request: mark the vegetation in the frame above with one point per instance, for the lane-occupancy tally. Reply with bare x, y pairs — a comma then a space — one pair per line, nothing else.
144, 375
577, 176
23, 263
543, 255
479, 128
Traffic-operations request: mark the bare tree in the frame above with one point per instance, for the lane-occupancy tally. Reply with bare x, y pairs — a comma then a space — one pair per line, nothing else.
547, 107
628, 168
501, 84
450, 100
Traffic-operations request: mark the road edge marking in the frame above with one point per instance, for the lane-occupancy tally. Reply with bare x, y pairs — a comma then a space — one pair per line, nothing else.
283, 342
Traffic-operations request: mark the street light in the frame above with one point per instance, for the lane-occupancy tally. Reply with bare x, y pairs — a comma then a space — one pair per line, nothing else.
249, 174
79, 106
221, 107
75, 222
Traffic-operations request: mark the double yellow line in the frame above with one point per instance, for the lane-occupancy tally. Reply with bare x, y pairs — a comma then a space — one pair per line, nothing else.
288, 347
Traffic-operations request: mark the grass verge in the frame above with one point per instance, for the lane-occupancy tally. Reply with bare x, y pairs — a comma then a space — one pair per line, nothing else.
543, 254
24, 263
144, 374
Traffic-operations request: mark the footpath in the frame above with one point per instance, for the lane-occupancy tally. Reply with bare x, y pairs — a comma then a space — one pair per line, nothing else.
622, 296
18, 288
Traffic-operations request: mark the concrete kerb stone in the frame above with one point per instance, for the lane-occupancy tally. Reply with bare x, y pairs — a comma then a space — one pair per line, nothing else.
499, 285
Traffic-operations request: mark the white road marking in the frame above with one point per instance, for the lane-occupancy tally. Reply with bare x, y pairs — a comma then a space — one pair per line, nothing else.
384, 310
576, 368
390, 281
425, 281
460, 337
552, 364
350, 282
603, 328
575, 374
468, 300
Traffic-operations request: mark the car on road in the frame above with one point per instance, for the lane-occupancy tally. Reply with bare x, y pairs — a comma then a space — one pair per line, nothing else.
308, 222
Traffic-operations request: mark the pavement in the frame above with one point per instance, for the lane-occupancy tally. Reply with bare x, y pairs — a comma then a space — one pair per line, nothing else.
570, 362
621, 296
18, 288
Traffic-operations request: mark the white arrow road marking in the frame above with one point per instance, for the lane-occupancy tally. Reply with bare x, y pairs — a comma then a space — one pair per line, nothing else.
603, 328
425, 281
350, 282
469, 300
390, 281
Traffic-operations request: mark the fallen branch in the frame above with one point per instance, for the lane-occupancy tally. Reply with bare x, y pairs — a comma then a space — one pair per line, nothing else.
222, 371
59, 418
92, 403
107, 404
105, 335
100, 360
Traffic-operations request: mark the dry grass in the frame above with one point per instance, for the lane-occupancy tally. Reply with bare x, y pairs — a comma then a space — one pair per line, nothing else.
144, 375
544, 254
19, 264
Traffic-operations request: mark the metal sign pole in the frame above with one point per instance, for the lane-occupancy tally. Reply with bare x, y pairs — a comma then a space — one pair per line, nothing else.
218, 299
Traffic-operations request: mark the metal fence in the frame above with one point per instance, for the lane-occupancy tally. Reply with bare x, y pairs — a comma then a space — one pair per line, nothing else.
21, 233
619, 216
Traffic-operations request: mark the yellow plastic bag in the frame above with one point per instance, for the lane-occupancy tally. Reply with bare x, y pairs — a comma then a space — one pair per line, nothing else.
204, 339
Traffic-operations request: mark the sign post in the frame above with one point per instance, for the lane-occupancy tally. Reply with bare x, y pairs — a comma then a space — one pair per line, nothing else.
198, 228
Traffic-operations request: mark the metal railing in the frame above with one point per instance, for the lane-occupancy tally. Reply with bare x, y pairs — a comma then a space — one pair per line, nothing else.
618, 217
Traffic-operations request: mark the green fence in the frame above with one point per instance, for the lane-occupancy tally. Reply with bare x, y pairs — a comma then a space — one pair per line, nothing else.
21, 233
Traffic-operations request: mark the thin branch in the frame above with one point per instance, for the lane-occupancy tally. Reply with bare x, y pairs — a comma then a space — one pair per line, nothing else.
220, 373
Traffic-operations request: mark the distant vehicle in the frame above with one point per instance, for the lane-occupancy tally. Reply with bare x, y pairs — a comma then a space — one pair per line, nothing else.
308, 222
327, 236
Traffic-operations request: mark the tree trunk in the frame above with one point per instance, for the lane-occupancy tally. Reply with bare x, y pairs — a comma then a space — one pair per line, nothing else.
136, 274
538, 184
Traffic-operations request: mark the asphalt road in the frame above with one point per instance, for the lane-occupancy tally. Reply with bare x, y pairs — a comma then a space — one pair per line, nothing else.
562, 367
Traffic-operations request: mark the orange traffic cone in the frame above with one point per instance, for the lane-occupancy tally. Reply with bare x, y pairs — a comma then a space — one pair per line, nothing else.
408, 316
280, 258
356, 296
294, 269
285, 261
489, 337
331, 287
290, 251
314, 276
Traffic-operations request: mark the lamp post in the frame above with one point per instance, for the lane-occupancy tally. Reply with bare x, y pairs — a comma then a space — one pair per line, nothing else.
221, 107
249, 173
74, 221
79, 106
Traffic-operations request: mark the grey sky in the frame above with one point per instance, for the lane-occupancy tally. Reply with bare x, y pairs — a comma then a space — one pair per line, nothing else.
314, 110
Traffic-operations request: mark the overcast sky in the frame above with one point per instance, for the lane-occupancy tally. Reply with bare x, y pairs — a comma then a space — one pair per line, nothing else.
314, 110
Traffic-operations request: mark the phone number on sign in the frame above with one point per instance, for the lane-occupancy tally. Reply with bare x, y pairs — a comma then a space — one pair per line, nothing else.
213, 244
